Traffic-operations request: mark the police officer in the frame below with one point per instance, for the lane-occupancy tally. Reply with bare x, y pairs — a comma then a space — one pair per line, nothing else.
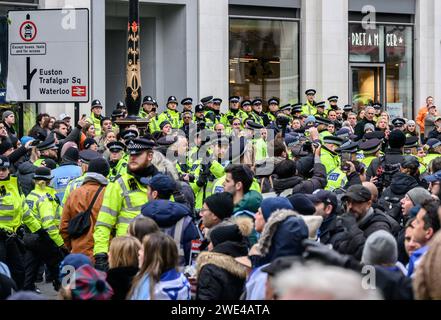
117, 114
95, 116
273, 108
338, 177
246, 107
257, 115
434, 151
214, 115
320, 109
121, 106
14, 211
399, 123
171, 114
254, 135
149, 112
50, 248
118, 165
48, 150
123, 198
333, 102
371, 149
296, 110
309, 108
199, 115
328, 155
286, 110
187, 104
233, 112
207, 169
347, 109
377, 106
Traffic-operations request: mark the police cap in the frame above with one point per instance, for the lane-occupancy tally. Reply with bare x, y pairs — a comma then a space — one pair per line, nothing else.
147, 100
139, 145
187, 101
310, 92
370, 146
47, 144
129, 134
116, 146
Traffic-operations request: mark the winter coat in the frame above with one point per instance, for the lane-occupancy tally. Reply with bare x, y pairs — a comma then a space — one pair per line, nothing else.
300, 185
167, 214
78, 201
120, 279
343, 233
220, 277
390, 198
282, 236
376, 220
247, 207
25, 176
393, 284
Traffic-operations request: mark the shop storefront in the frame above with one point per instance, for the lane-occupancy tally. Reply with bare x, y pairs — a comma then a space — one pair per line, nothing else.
381, 67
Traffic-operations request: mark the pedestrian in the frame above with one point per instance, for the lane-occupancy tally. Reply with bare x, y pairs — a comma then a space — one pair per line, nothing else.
123, 265
158, 277
219, 275
142, 226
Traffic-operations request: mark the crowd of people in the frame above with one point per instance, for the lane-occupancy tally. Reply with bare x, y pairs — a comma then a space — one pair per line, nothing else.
304, 201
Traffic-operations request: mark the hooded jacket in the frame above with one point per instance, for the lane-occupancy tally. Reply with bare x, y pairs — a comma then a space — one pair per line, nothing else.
220, 276
390, 199
377, 220
167, 214
282, 236
77, 202
25, 174
248, 207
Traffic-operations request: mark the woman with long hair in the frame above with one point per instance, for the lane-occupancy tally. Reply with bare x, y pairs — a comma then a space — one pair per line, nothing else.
158, 277
123, 264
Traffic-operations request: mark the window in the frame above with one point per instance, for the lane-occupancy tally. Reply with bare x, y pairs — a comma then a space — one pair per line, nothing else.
264, 59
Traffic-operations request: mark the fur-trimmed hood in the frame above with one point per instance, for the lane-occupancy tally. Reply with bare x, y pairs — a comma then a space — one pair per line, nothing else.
284, 232
222, 261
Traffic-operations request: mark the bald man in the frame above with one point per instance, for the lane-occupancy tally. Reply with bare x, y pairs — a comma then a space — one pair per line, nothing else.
373, 189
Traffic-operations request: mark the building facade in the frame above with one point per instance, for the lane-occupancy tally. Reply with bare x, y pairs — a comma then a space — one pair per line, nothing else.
363, 51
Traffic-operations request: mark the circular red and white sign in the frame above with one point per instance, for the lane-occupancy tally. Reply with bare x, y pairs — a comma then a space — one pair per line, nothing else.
28, 31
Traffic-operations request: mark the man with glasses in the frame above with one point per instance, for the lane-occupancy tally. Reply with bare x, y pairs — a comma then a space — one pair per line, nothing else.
368, 118
187, 119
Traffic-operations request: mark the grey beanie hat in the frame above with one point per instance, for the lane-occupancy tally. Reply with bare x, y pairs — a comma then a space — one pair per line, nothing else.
369, 126
419, 195
6, 114
380, 249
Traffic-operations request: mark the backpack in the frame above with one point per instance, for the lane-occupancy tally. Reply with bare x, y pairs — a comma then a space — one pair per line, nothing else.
177, 233
80, 224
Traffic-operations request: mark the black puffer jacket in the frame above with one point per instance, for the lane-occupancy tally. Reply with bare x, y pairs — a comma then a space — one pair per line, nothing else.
300, 184
25, 174
220, 277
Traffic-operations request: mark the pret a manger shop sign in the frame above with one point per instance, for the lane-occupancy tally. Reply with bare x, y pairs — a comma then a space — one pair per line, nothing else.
48, 57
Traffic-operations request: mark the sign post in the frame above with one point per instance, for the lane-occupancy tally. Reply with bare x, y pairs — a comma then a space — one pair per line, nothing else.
48, 56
